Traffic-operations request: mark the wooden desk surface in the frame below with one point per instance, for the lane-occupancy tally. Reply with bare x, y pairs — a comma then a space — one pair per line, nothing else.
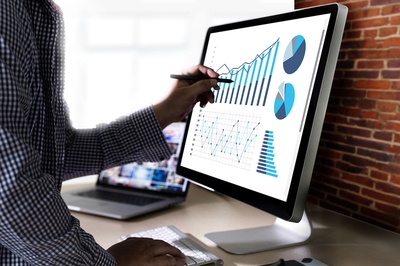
336, 239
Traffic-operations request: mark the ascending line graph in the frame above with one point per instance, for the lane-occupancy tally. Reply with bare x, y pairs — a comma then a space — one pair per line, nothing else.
226, 138
251, 79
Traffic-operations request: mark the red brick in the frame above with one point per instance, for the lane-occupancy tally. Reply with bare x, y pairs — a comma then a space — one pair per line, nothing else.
383, 135
357, 54
371, 64
354, 131
370, 23
340, 147
358, 179
395, 84
395, 20
395, 179
356, 198
376, 155
391, 74
390, 168
379, 175
364, 123
352, 34
367, 74
381, 196
354, 5
386, 208
391, 9
363, 13
387, 106
389, 31
390, 189
391, 42
372, 84
366, 103
370, 34
343, 166
395, 63
383, 95
383, 2
394, 148
397, 138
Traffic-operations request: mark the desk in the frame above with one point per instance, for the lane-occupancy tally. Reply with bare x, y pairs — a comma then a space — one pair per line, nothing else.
336, 239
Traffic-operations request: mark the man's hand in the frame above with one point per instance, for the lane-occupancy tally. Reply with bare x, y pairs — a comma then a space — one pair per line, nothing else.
184, 96
146, 252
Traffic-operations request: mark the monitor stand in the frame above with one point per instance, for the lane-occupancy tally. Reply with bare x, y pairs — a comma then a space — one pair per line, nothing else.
280, 234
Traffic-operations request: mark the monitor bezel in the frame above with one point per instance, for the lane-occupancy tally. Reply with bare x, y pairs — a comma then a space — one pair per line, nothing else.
292, 209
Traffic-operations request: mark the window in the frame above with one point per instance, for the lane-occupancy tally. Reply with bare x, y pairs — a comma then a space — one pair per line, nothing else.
119, 53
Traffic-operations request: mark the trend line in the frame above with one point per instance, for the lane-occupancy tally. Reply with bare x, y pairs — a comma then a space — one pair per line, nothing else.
251, 79
237, 69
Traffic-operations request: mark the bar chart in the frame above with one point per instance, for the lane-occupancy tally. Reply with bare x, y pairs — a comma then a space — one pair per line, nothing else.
266, 164
251, 79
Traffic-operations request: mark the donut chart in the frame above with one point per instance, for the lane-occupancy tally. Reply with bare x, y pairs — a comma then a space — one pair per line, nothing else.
284, 100
294, 54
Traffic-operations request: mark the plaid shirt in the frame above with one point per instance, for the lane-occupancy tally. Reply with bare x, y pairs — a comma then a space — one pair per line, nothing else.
39, 148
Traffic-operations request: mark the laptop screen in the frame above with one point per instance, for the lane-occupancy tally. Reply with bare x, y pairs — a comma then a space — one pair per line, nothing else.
155, 176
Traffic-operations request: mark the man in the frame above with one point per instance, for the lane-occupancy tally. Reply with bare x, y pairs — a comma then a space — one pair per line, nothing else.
39, 148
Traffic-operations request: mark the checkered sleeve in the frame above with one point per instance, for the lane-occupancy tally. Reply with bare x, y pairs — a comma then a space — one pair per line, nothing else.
134, 138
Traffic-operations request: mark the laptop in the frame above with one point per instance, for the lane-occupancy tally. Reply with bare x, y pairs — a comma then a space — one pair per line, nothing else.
135, 189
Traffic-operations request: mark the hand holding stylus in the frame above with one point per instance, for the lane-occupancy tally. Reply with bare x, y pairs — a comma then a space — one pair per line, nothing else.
186, 94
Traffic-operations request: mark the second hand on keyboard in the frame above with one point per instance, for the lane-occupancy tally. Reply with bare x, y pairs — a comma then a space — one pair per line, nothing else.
194, 253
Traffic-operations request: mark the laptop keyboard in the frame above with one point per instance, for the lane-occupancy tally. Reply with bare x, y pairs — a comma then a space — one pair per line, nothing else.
195, 253
119, 197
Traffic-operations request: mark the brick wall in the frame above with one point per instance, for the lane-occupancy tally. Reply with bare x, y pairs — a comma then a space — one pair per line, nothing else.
357, 171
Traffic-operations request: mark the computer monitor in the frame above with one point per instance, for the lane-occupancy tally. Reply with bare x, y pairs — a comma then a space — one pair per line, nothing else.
258, 141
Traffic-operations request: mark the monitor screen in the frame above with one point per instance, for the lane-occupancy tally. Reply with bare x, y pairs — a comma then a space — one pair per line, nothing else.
257, 142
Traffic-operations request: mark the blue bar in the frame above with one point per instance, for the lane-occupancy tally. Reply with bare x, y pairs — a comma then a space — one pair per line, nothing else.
266, 93
251, 80
227, 92
240, 84
222, 89
217, 96
257, 79
266, 173
245, 82
250, 84
263, 79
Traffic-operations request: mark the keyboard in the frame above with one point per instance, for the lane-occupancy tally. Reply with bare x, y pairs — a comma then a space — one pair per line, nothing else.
118, 197
195, 253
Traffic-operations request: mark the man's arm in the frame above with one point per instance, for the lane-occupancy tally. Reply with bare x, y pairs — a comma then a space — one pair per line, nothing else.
134, 138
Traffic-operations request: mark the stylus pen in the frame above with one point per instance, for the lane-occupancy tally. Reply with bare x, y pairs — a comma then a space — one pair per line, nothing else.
186, 77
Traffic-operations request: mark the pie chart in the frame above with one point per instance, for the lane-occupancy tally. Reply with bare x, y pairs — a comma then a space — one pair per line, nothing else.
284, 100
294, 54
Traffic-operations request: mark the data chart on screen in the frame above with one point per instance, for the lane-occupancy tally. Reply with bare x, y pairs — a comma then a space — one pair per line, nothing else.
250, 135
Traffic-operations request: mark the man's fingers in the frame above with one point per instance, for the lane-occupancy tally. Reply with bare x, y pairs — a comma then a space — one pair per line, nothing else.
162, 248
204, 86
202, 70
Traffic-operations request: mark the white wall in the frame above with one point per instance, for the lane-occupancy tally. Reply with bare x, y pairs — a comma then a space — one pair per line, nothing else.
119, 53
